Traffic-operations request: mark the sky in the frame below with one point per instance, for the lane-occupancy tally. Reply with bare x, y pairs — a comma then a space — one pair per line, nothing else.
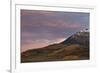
41, 28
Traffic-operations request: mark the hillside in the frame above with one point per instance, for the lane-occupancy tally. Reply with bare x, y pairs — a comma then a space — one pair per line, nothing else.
76, 47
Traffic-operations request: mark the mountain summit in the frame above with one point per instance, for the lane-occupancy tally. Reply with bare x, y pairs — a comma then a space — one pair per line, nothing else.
76, 47
81, 38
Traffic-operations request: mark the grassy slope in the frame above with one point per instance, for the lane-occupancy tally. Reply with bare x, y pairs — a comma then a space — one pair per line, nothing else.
57, 52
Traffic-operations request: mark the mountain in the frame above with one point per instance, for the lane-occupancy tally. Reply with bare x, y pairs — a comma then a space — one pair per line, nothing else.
76, 47
81, 38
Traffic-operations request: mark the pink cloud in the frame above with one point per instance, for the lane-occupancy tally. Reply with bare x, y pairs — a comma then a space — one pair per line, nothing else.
63, 24
39, 43
39, 12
